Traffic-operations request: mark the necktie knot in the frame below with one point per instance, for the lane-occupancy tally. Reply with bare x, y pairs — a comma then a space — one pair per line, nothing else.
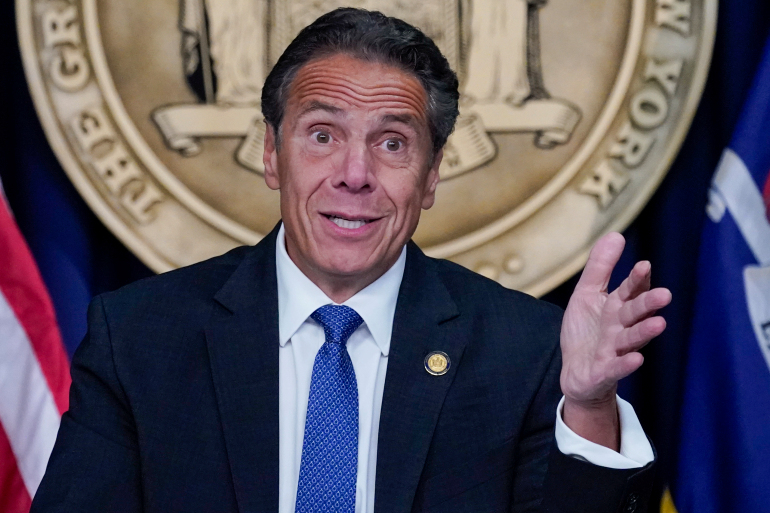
338, 322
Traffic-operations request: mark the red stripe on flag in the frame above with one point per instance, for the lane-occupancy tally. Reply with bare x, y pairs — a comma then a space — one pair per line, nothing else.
14, 497
23, 288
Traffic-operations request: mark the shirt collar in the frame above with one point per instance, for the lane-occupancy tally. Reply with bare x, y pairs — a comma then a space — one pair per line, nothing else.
298, 297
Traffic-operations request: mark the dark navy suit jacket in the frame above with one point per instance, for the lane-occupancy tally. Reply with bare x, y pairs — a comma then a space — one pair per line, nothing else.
174, 401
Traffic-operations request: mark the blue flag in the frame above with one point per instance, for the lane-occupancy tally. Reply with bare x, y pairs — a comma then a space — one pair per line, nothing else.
724, 455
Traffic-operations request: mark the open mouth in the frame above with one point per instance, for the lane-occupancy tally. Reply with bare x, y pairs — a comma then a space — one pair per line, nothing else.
349, 224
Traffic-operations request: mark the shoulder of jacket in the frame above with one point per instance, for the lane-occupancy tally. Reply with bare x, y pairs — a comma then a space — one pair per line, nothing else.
180, 286
464, 283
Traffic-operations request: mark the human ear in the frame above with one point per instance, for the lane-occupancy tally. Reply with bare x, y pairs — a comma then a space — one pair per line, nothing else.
431, 181
270, 159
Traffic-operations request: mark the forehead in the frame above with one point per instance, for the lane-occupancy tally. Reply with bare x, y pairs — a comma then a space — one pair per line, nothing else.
347, 83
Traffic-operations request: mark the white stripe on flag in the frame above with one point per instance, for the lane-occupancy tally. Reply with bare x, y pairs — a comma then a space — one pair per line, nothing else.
744, 201
756, 280
28, 412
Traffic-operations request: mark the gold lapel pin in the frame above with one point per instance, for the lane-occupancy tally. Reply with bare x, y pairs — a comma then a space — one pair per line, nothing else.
437, 363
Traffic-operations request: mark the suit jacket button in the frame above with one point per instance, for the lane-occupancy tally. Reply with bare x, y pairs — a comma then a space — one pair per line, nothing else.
632, 503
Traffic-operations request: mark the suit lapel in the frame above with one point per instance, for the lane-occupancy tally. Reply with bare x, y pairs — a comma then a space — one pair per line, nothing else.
413, 398
242, 338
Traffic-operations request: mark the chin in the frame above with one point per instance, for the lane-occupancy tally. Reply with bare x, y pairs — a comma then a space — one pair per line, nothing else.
350, 264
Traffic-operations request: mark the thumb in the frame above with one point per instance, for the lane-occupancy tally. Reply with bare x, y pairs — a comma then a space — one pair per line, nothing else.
601, 261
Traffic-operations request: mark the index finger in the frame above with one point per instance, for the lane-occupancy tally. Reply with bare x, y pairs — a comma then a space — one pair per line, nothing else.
638, 281
601, 261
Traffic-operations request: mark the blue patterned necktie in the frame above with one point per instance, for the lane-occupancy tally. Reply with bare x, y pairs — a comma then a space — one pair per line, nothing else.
327, 475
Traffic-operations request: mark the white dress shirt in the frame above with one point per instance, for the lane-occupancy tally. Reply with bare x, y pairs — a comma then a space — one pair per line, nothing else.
301, 337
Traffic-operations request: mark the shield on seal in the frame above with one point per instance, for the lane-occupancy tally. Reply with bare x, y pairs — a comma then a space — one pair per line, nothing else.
229, 46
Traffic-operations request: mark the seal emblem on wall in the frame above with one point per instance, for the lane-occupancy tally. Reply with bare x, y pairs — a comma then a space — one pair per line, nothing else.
570, 114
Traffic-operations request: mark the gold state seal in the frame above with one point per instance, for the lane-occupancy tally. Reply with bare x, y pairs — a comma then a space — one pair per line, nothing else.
571, 113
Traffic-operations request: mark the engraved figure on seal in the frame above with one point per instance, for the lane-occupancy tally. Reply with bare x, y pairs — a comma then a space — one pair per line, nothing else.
228, 46
224, 41
497, 60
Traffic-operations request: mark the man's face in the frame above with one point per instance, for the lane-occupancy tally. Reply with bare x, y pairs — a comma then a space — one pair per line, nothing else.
354, 168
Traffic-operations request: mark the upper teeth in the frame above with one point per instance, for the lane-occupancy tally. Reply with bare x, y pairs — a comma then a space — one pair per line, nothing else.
346, 223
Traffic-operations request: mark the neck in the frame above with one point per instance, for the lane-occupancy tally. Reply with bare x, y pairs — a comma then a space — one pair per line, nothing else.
338, 287
338, 290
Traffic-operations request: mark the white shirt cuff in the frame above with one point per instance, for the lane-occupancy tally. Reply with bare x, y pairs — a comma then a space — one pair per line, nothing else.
635, 449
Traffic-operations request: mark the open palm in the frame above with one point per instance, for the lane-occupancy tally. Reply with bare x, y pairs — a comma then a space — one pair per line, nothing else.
603, 331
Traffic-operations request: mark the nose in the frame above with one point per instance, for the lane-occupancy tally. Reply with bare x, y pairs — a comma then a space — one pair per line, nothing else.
355, 173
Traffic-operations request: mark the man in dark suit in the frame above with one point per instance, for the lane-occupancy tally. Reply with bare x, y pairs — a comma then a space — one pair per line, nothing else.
334, 367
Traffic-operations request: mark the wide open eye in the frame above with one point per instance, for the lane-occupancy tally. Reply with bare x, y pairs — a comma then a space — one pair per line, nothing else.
393, 145
322, 137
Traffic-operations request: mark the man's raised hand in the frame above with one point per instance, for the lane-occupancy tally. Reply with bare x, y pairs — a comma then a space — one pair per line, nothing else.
601, 335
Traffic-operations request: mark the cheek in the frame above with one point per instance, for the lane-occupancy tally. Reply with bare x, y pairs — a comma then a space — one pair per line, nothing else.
301, 181
405, 193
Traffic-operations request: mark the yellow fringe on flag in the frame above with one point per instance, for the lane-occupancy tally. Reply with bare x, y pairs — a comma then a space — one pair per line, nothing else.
667, 503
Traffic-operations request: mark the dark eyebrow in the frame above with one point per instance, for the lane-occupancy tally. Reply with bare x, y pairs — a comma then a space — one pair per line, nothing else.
315, 105
406, 119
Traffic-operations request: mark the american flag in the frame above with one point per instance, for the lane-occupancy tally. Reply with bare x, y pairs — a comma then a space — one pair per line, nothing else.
34, 370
